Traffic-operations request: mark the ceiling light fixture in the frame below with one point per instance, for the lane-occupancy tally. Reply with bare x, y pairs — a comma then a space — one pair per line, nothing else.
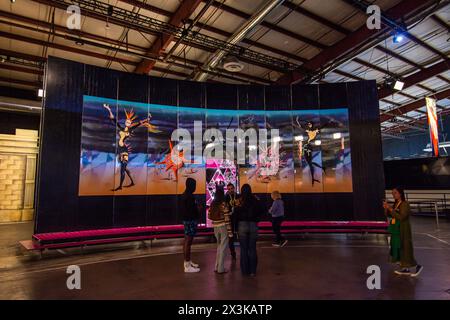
400, 33
398, 37
398, 85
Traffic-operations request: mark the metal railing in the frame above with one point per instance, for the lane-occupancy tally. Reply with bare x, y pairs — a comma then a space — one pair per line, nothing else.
427, 203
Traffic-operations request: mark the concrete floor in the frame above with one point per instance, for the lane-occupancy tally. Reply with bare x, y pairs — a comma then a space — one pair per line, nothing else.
316, 267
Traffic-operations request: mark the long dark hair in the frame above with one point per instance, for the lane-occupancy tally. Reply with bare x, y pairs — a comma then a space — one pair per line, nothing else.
219, 196
402, 193
246, 193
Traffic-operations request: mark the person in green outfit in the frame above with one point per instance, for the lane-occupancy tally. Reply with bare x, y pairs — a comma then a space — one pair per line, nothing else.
395, 243
400, 212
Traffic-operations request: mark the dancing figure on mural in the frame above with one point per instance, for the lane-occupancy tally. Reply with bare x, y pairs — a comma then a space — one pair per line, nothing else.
124, 133
174, 161
306, 150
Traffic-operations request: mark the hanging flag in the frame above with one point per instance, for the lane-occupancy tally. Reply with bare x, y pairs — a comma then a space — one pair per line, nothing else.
433, 125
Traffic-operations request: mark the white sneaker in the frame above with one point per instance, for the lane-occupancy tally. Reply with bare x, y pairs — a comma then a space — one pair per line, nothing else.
193, 264
419, 269
191, 269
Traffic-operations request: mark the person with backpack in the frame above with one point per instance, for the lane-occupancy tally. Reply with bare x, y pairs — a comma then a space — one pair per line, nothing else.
219, 213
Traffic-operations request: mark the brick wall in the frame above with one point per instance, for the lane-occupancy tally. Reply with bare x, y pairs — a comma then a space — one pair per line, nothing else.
17, 175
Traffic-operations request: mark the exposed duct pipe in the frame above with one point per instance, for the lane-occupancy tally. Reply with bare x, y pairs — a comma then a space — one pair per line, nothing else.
237, 37
19, 105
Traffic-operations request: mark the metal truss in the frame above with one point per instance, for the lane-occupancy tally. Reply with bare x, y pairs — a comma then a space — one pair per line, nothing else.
123, 17
21, 61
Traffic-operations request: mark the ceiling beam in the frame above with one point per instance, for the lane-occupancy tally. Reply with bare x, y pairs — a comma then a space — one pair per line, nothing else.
441, 77
398, 57
269, 25
75, 33
441, 22
391, 102
85, 35
215, 30
20, 69
22, 55
407, 34
421, 86
354, 41
413, 106
125, 24
374, 67
347, 75
425, 45
249, 42
34, 84
239, 14
62, 47
416, 78
184, 11
149, 7
315, 17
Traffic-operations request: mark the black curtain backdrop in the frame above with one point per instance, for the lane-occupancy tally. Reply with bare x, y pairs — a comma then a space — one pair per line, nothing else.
418, 174
59, 208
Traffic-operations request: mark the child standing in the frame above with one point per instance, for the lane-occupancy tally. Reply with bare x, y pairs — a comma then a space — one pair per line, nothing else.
277, 213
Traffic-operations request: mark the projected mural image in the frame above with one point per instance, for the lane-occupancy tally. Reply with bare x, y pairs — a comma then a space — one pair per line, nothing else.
114, 147
126, 149
283, 180
165, 159
251, 171
322, 151
194, 167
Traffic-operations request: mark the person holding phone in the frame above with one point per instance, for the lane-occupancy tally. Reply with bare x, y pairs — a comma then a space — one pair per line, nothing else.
401, 211
394, 239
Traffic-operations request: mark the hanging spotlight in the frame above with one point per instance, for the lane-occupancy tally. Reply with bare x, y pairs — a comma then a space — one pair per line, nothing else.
394, 83
398, 37
13, 1
399, 33
399, 85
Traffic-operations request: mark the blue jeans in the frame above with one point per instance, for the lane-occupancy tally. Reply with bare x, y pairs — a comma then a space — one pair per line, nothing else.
248, 232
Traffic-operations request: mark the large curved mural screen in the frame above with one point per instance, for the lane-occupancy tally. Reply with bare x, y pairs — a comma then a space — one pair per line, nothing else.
131, 148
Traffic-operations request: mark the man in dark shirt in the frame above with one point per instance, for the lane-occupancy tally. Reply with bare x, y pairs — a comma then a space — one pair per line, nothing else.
230, 199
190, 215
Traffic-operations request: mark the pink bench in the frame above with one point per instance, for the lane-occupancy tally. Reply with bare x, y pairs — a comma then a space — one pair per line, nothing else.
58, 240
